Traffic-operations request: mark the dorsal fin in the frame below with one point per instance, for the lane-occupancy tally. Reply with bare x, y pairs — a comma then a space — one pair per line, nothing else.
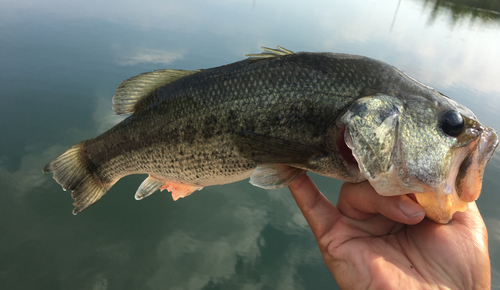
270, 52
132, 90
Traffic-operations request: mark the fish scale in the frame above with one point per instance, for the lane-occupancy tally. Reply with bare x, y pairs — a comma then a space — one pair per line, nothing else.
272, 117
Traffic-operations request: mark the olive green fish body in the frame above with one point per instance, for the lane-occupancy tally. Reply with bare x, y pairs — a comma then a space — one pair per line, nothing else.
194, 119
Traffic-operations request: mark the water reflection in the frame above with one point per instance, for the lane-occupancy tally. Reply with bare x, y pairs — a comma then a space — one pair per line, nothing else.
27, 176
459, 10
238, 252
143, 55
104, 118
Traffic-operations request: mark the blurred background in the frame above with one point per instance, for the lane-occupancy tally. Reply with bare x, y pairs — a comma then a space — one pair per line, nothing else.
60, 64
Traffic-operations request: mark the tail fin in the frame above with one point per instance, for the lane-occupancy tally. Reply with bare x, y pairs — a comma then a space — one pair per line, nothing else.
73, 170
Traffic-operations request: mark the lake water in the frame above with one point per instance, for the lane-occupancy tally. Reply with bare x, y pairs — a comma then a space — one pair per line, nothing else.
60, 64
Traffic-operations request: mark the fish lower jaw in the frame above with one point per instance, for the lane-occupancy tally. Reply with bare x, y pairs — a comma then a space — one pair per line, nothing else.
464, 181
441, 208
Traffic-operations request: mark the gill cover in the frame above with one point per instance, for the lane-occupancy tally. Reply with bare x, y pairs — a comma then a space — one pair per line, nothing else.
371, 128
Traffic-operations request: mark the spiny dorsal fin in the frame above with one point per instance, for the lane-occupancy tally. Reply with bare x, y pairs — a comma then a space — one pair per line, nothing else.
271, 52
132, 90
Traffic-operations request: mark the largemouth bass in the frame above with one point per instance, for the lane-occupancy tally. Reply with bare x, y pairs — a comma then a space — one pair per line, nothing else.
276, 115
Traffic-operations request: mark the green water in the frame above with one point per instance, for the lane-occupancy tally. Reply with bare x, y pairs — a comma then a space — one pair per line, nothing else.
60, 64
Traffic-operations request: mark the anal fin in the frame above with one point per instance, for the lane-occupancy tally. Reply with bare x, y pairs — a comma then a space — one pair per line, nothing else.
180, 190
152, 184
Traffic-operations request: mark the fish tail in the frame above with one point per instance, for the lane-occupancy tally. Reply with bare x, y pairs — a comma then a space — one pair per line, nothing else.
75, 171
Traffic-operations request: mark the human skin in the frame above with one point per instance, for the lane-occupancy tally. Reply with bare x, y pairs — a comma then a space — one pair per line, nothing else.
369, 241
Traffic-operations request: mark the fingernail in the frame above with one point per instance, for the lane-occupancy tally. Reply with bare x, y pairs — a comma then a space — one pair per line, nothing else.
410, 208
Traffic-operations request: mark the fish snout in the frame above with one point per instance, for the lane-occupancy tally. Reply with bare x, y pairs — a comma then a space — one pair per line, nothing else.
470, 174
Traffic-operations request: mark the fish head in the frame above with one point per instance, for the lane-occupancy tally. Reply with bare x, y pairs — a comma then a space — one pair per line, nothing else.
426, 144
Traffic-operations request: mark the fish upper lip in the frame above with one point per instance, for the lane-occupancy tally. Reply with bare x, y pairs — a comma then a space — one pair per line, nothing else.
487, 144
469, 177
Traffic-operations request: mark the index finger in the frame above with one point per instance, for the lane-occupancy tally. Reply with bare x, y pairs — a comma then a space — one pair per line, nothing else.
319, 212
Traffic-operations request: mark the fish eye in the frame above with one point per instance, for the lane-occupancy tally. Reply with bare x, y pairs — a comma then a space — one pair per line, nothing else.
452, 123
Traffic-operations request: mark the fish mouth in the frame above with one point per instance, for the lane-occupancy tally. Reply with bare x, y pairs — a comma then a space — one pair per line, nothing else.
464, 181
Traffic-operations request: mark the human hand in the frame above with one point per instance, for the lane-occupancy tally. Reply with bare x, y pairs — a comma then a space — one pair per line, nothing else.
368, 242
